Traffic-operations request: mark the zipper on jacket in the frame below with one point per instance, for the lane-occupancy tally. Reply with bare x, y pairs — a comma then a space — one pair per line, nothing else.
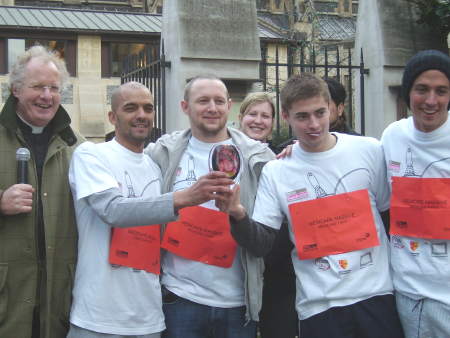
39, 233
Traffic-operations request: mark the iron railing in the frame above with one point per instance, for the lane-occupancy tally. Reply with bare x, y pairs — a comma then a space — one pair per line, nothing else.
148, 67
335, 62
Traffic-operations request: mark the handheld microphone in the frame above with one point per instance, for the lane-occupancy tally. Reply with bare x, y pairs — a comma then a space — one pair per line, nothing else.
22, 157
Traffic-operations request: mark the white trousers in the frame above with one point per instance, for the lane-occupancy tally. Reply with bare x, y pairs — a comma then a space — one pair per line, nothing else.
425, 318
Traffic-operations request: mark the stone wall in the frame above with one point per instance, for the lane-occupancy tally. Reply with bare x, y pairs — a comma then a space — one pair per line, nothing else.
217, 37
388, 34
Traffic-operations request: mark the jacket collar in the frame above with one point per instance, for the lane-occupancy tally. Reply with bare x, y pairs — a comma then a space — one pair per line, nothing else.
172, 140
60, 123
246, 144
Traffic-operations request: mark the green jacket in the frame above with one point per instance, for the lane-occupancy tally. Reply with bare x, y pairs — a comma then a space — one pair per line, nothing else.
19, 264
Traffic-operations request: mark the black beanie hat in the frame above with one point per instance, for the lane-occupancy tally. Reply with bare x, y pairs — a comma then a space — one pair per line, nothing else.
421, 62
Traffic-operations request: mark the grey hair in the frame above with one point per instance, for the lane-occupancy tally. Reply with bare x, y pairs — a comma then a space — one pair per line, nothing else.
18, 70
188, 87
117, 92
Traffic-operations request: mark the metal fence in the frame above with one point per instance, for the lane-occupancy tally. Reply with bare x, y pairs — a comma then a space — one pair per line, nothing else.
148, 67
335, 62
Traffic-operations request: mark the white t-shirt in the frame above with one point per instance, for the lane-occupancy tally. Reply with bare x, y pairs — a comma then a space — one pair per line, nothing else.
354, 163
198, 282
421, 267
106, 299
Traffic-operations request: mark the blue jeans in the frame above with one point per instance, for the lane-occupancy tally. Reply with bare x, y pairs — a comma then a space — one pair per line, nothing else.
186, 319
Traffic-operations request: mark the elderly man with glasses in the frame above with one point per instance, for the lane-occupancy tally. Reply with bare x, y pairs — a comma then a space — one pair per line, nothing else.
38, 234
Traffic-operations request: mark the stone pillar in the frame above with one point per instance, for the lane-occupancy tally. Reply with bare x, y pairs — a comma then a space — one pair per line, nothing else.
388, 33
90, 87
217, 37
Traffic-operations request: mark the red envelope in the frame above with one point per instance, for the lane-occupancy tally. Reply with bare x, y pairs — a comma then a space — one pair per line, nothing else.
420, 207
201, 235
136, 247
333, 225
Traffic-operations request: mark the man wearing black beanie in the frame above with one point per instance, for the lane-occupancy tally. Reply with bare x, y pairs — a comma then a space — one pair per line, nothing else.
417, 153
419, 63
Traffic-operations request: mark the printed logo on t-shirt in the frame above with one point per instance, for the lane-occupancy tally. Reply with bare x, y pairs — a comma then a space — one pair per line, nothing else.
366, 260
414, 247
297, 195
344, 267
323, 189
343, 263
394, 166
409, 170
436, 168
318, 189
397, 242
129, 183
187, 177
322, 264
439, 249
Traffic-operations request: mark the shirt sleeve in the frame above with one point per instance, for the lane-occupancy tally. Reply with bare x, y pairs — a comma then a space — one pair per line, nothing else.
267, 209
119, 211
90, 178
88, 174
380, 183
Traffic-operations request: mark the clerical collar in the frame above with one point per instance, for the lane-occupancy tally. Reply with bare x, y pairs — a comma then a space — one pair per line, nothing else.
34, 129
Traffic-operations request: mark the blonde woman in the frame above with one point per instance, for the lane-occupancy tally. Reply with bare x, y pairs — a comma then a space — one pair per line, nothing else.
278, 317
256, 116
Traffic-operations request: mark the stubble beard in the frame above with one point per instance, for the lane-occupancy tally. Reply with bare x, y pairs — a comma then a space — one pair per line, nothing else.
211, 131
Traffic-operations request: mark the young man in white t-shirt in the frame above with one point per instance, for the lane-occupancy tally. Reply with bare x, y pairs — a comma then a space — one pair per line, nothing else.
331, 189
115, 185
417, 151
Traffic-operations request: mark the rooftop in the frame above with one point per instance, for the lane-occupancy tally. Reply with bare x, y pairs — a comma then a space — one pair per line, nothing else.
332, 27
270, 26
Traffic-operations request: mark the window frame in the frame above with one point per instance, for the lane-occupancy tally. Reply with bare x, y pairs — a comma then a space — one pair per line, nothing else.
70, 46
106, 50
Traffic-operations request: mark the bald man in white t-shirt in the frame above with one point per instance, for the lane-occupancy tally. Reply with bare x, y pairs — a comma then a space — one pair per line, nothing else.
115, 185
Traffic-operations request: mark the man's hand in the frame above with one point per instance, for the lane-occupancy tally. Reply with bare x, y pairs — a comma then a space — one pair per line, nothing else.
205, 189
230, 203
17, 199
287, 152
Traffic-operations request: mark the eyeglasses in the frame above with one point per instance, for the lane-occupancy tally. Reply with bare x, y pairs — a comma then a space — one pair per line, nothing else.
42, 88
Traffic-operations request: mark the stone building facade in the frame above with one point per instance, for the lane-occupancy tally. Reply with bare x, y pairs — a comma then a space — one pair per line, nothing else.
94, 54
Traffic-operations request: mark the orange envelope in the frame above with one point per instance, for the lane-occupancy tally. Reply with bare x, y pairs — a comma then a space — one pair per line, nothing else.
136, 247
420, 207
333, 225
202, 235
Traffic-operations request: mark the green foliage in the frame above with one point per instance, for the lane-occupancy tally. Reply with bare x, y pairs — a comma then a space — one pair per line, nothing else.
281, 137
435, 13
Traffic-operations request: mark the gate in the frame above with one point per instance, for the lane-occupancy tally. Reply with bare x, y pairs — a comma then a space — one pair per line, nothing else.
148, 67
335, 62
